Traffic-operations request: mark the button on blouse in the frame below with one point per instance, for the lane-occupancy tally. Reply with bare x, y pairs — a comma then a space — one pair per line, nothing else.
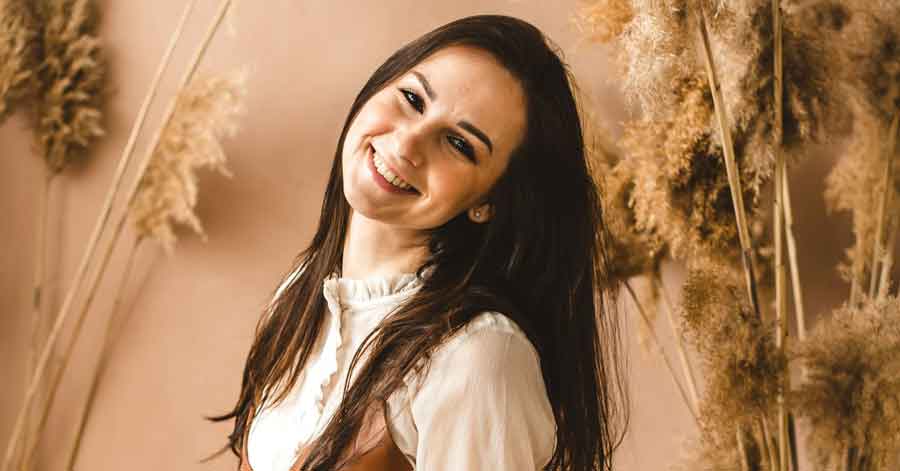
482, 403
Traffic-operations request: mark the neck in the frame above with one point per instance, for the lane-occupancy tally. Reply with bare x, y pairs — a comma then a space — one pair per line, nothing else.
373, 248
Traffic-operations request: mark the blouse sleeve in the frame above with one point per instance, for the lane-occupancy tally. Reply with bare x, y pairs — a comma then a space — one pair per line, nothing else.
483, 406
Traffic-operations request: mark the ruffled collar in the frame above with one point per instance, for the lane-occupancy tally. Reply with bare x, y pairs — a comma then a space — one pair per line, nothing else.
354, 293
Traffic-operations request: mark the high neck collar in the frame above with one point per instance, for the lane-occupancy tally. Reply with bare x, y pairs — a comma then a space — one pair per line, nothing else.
354, 292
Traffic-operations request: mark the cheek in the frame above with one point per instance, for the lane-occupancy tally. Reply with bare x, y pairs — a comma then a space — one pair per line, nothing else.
453, 189
374, 116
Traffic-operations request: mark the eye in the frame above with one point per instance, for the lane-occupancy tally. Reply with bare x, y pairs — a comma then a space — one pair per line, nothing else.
462, 146
413, 99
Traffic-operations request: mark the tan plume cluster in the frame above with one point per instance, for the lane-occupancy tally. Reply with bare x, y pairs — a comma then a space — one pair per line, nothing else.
16, 51
70, 77
632, 253
849, 187
602, 20
742, 37
867, 45
206, 110
674, 154
680, 198
743, 366
852, 394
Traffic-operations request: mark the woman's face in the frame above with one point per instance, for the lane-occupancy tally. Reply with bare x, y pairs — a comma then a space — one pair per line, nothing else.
447, 127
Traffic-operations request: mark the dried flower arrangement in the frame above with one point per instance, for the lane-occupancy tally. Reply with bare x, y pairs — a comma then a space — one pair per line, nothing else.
205, 111
164, 190
731, 92
52, 65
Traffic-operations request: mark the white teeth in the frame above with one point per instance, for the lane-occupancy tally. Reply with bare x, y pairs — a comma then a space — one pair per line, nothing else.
388, 175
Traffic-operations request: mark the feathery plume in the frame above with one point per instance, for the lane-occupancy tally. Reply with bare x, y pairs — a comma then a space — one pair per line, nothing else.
868, 49
70, 79
743, 35
680, 197
206, 110
16, 51
852, 393
674, 157
743, 366
849, 187
633, 253
602, 20
738, 349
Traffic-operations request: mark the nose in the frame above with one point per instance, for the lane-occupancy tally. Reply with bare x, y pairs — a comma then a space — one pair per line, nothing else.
406, 143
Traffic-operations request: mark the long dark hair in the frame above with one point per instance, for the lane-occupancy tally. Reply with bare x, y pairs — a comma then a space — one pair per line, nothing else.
541, 260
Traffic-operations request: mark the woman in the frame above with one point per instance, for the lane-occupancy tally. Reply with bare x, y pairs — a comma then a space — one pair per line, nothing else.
451, 312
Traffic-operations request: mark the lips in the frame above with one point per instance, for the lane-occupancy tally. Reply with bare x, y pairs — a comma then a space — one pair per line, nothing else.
380, 180
371, 151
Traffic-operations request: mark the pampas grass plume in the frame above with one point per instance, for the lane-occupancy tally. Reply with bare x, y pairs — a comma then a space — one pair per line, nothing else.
852, 394
71, 77
16, 46
867, 44
849, 187
205, 111
601, 21
743, 365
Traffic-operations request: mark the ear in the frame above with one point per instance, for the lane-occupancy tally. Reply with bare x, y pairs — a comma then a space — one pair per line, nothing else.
481, 214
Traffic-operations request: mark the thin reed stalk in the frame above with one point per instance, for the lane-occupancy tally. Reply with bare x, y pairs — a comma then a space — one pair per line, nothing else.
60, 373
734, 185
780, 176
94, 239
884, 202
888, 261
766, 456
100, 369
734, 182
857, 273
850, 458
770, 447
679, 343
38, 294
661, 352
742, 450
799, 310
792, 440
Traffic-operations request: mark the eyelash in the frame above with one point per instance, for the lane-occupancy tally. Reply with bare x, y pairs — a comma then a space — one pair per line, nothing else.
465, 149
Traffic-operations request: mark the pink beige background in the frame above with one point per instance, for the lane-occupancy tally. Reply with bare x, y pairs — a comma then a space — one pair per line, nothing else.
191, 317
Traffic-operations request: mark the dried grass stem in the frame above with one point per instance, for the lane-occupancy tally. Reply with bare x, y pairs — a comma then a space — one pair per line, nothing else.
884, 202
734, 182
95, 236
679, 342
661, 352
104, 357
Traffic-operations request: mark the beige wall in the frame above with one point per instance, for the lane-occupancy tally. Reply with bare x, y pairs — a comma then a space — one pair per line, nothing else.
181, 353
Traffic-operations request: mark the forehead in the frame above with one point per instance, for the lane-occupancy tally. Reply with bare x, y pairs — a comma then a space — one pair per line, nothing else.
471, 85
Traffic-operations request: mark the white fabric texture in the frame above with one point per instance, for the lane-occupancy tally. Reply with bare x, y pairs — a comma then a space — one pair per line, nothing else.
481, 406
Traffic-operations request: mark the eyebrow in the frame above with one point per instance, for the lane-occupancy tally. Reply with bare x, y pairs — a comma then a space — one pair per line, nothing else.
463, 124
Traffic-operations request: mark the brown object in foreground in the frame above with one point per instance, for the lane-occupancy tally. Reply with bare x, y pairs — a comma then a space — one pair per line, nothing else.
385, 456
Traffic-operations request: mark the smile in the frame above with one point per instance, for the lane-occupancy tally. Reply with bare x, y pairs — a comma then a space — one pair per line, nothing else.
384, 177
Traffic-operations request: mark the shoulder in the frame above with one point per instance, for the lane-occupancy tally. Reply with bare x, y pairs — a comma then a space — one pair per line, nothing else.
489, 356
483, 385
488, 336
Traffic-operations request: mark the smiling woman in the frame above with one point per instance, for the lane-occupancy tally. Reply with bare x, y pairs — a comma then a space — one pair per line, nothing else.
420, 128
452, 311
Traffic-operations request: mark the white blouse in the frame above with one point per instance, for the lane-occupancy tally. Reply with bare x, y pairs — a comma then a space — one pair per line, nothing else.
481, 406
